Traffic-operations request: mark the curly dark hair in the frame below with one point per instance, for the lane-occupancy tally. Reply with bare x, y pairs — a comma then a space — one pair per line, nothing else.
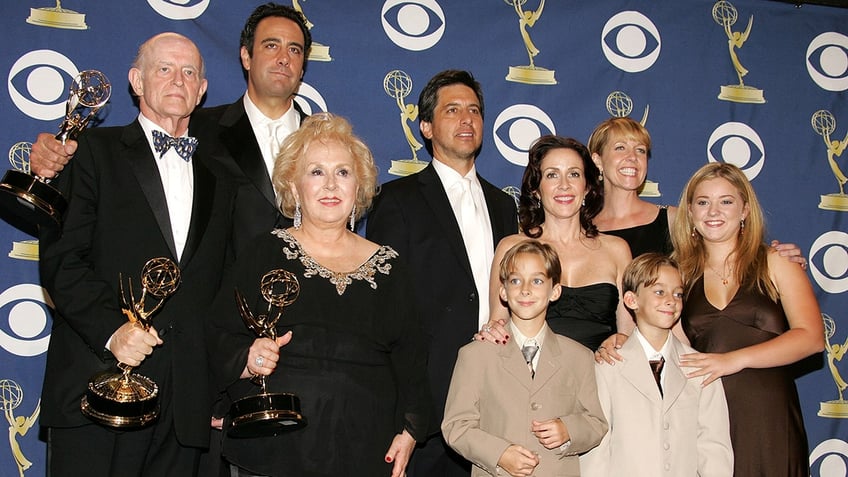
531, 214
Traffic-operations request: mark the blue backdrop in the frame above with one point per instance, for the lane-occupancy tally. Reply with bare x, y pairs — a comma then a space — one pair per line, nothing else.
666, 62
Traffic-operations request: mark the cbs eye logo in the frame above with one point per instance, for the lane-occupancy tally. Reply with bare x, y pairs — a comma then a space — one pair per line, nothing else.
24, 322
179, 9
827, 61
737, 144
38, 83
830, 459
517, 127
829, 261
309, 99
413, 25
631, 41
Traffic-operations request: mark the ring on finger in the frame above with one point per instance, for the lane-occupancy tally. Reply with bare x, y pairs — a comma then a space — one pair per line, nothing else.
260, 360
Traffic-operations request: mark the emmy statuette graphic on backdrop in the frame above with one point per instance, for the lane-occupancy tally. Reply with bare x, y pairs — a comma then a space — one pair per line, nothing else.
824, 124
318, 51
31, 198
835, 351
619, 105
57, 17
529, 74
11, 397
124, 399
19, 158
724, 13
398, 85
266, 413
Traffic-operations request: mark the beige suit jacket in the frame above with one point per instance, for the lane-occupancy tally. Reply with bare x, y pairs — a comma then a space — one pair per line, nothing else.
681, 434
492, 402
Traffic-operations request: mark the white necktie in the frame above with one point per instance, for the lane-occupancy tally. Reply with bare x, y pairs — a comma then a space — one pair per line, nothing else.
474, 228
275, 129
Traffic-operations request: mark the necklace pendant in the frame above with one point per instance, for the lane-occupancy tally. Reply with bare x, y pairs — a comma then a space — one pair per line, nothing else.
724, 281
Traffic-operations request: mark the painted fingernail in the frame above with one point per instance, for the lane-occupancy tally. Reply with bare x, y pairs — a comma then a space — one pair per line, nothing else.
389, 459
497, 341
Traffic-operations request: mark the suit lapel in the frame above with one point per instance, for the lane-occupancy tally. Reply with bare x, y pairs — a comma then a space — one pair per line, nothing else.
674, 381
513, 363
143, 165
204, 196
238, 137
637, 370
437, 200
490, 193
550, 360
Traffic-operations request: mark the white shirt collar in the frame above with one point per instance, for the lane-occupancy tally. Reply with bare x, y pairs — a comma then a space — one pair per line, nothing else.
450, 176
291, 118
649, 350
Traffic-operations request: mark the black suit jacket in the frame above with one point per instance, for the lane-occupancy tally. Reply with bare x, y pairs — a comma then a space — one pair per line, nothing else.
117, 219
225, 135
413, 215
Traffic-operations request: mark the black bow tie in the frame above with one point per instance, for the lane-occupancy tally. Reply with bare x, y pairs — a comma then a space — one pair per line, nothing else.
184, 146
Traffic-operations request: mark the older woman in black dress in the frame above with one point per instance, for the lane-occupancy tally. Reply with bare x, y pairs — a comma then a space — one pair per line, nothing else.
349, 345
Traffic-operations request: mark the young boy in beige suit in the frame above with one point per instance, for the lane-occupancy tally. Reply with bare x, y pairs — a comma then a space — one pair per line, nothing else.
661, 422
528, 408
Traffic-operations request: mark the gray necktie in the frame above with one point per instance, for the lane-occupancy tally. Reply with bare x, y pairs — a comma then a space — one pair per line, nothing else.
529, 351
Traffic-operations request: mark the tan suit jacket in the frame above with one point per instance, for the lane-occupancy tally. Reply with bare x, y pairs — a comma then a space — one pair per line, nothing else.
683, 433
492, 402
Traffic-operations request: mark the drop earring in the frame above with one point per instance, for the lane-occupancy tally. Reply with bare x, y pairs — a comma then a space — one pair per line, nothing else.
297, 221
742, 227
353, 219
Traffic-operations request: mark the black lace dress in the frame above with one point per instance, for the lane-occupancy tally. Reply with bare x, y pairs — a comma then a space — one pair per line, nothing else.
356, 360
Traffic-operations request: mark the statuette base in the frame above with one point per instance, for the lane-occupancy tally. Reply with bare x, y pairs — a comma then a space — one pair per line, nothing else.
531, 75
741, 94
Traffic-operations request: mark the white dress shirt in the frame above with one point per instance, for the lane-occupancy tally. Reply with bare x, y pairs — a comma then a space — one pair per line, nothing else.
270, 133
482, 252
177, 177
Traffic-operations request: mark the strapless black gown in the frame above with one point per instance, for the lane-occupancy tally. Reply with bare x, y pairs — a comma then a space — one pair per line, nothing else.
585, 314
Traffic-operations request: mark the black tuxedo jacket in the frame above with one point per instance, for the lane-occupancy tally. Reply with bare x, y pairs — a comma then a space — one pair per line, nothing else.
225, 135
413, 215
117, 219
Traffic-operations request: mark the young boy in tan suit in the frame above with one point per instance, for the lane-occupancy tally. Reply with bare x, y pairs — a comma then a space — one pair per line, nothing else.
527, 408
661, 423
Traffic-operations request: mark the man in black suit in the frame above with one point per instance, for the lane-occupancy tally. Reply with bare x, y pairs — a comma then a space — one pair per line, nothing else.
136, 193
244, 136
421, 217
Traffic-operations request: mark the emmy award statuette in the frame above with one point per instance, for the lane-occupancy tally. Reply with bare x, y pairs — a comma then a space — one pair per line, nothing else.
398, 85
266, 414
619, 105
529, 74
32, 198
724, 13
824, 124
839, 407
123, 399
11, 398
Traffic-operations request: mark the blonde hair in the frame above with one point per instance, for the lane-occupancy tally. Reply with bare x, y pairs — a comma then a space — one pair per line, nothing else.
324, 128
750, 267
626, 127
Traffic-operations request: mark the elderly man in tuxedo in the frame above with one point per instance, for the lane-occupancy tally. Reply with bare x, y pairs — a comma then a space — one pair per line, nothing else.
134, 193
